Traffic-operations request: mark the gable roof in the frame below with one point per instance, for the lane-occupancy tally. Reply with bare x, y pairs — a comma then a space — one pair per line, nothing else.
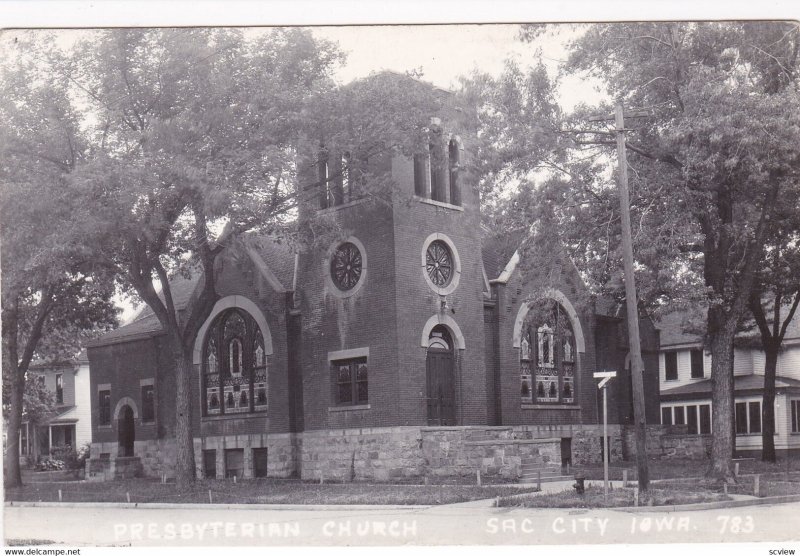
742, 384
277, 261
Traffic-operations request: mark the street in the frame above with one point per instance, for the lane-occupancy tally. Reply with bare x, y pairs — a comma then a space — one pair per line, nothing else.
459, 524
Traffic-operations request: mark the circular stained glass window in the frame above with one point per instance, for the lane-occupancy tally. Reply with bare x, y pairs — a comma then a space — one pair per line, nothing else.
439, 263
346, 266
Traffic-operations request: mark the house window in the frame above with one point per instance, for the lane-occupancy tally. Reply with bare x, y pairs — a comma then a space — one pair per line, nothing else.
350, 380
547, 356
104, 407
795, 415
680, 417
235, 366
666, 415
671, 365
741, 418
148, 403
705, 419
754, 410
41, 380
59, 388
23, 439
691, 419
453, 161
697, 363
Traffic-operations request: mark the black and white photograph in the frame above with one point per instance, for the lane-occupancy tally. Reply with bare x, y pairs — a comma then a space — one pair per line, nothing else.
479, 279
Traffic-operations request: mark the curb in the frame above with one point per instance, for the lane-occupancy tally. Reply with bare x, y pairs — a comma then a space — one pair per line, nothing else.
169, 506
713, 505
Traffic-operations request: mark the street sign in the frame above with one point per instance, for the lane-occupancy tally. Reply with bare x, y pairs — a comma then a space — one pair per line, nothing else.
604, 374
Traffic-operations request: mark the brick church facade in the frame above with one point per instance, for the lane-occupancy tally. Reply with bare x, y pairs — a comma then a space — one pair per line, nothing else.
409, 345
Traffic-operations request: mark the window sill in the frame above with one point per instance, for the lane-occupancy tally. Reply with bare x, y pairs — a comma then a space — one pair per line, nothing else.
342, 206
148, 423
104, 427
248, 415
439, 203
338, 408
550, 406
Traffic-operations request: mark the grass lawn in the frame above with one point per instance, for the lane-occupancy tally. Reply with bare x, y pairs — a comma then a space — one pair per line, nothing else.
618, 497
682, 468
258, 491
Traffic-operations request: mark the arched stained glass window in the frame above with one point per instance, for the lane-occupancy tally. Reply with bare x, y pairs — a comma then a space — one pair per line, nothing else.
547, 355
236, 382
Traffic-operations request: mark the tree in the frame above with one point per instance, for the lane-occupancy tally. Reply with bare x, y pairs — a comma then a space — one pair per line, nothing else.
196, 139
773, 304
49, 295
724, 125
708, 166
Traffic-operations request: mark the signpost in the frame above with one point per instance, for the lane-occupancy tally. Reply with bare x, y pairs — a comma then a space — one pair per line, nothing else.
606, 376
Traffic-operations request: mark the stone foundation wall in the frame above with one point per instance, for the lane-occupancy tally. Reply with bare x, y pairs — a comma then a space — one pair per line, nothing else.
353, 454
385, 453
669, 442
493, 450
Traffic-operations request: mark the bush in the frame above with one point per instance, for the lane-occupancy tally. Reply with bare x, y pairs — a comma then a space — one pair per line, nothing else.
50, 463
71, 458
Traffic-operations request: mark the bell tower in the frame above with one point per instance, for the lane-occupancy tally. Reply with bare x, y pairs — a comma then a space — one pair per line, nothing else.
392, 323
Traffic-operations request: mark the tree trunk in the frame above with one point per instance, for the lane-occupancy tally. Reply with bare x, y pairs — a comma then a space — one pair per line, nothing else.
723, 439
185, 463
768, 405
16, 380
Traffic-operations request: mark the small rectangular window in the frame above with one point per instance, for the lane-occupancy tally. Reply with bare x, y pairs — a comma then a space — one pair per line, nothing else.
680, 418
260, 462
104, 407
148, 403
60, 388
666, 415
755, 417
741, 418
691, 419
234, 463
671, 365
705, 419
697, 363
351, 381
210, 464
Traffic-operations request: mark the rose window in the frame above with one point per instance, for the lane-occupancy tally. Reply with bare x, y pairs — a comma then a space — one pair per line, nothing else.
346, 266
439, 263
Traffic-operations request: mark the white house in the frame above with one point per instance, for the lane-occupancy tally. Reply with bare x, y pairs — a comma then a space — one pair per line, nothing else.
685, 385
70, 425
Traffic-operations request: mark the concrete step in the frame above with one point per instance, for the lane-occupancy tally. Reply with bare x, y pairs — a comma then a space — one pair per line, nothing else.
543, 475
535, 468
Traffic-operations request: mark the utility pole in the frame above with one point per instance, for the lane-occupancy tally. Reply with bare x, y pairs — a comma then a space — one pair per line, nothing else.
634, 342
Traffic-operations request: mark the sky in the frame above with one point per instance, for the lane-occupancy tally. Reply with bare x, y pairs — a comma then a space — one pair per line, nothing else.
442, 52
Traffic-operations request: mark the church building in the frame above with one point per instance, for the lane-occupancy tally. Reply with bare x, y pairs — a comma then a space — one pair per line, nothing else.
408, 345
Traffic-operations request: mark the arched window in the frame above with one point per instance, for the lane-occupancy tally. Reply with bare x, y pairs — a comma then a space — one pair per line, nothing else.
453, 161
438, 186
547, 355
237, 381
323, 177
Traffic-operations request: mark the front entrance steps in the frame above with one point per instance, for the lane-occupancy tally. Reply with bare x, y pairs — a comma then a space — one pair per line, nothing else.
532, 471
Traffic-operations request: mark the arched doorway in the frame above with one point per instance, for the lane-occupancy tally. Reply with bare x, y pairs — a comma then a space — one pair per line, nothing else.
441, 378
126, 432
